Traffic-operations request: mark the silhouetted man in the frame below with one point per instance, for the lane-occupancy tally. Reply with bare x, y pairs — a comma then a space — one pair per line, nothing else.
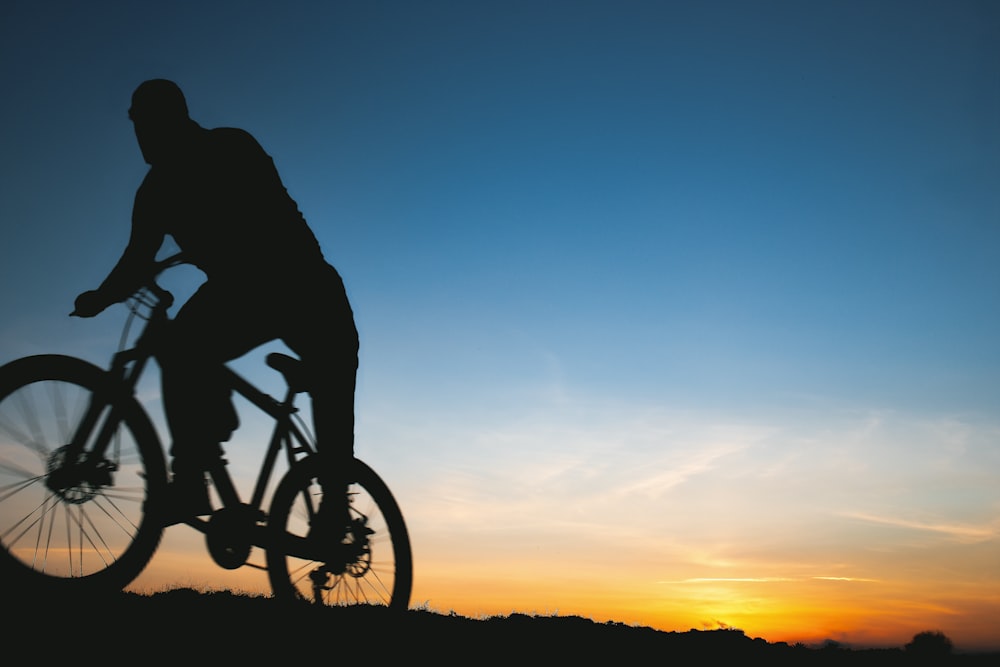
217, 193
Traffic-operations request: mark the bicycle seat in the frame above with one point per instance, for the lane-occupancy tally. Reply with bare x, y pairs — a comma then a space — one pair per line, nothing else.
293, 370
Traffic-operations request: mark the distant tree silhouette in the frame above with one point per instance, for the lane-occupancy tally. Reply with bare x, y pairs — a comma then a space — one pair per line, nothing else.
831, 646
929, 644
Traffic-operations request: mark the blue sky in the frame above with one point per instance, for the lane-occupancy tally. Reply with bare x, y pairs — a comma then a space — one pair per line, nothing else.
733, 265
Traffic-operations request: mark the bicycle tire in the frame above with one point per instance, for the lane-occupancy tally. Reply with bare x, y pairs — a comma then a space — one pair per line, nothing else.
381, 576
91, 536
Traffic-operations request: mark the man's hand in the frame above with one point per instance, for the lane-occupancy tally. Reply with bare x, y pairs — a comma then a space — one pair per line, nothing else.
88, 304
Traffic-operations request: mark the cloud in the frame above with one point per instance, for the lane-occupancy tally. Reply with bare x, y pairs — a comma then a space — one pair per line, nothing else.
678, 469
752, 580
763, 580
585, 469
960, 532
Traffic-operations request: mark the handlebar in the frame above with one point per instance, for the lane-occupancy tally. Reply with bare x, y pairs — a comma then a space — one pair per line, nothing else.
147, 292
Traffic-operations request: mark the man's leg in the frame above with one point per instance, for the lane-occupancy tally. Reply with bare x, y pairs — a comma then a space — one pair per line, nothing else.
333, 423
212, 327
326, 340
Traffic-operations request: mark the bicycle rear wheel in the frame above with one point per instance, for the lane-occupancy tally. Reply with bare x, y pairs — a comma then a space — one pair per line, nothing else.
368, 564
66, 521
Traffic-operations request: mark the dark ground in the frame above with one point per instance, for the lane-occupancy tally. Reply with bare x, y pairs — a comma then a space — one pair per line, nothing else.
186, 626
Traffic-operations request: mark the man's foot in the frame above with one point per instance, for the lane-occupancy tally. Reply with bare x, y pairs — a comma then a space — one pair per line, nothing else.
186, 498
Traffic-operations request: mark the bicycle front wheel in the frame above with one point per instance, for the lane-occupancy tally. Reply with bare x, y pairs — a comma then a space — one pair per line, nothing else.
73, 520
369, 563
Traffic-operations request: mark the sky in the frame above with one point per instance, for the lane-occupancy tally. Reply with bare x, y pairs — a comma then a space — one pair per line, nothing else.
679, 314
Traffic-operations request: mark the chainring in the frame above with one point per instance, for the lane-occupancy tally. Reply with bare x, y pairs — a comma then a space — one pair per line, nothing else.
229, 536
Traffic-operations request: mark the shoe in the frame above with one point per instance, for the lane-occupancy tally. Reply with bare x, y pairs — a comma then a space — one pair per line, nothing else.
186, 498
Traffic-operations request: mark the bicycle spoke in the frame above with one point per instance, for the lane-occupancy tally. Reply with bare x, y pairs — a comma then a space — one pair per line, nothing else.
36, 436
102, 551
9, 490
17, 470
118, 516
42, 533
69, 521
369, 563
303, 570
57, 399
33, 441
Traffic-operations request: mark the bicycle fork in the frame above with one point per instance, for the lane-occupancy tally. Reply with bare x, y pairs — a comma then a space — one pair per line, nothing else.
75, 472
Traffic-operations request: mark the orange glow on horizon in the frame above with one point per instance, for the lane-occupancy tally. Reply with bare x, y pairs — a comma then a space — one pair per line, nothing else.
859, 614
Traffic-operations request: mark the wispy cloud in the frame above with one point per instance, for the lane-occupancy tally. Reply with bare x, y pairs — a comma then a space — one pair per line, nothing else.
763, 580
679, 469
962, 532
707, 580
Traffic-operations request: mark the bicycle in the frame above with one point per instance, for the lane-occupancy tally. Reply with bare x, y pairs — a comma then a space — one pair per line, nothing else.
83, 477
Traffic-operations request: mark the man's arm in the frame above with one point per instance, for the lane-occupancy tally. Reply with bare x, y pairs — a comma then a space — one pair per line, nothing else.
127, 275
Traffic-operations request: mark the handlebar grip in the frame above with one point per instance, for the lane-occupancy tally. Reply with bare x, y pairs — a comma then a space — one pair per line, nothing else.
165, 298
162, 295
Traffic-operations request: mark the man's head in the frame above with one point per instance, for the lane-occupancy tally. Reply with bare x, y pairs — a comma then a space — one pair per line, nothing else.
160, 115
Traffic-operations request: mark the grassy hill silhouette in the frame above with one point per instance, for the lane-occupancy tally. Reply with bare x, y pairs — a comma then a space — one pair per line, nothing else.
184, 626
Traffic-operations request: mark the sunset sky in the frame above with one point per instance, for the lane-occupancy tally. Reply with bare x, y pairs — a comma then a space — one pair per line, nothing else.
682, 314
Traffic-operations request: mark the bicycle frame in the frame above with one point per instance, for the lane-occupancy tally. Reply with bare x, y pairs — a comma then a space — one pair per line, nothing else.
286, 436
127, 367
84, 498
